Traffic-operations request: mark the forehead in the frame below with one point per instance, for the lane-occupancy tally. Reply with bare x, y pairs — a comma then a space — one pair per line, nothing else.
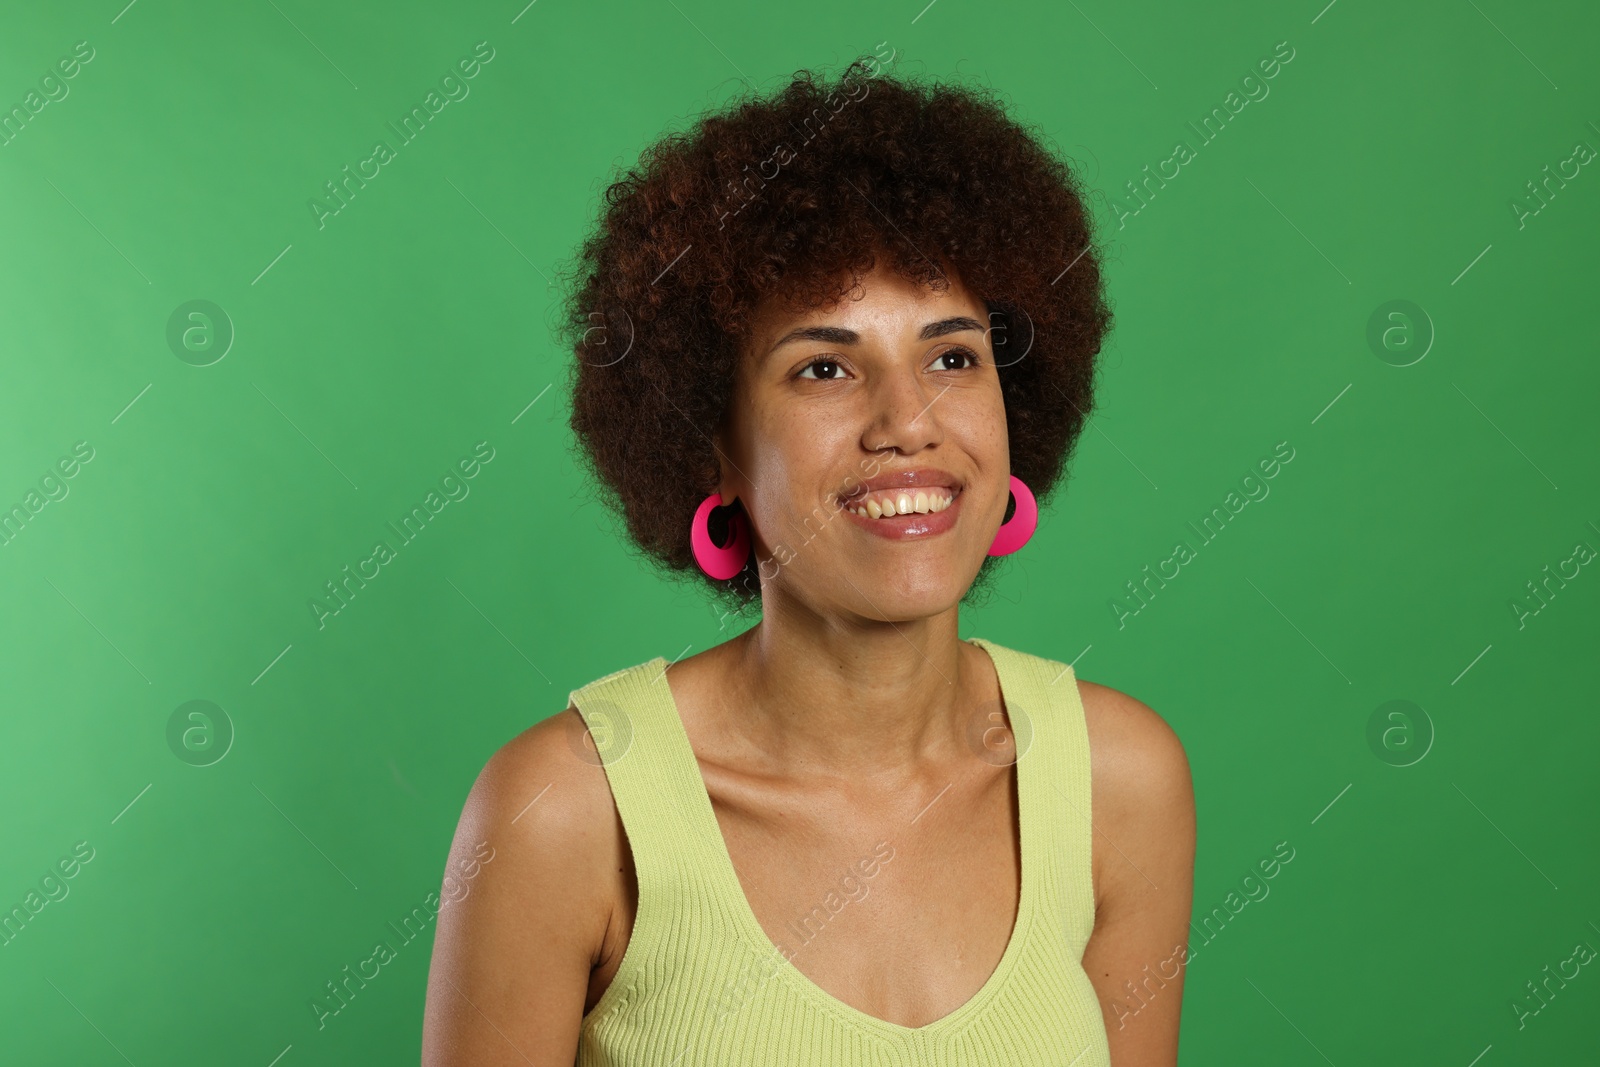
881, 301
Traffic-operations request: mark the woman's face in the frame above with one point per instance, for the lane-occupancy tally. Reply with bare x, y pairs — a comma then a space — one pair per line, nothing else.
885, 403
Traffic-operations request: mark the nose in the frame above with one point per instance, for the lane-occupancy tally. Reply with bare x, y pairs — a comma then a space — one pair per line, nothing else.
904, 413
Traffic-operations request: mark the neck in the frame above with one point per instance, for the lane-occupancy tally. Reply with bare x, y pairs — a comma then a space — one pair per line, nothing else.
853, 694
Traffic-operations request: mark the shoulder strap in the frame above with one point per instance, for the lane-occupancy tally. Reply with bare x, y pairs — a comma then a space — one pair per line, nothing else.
656, 784
1047, 717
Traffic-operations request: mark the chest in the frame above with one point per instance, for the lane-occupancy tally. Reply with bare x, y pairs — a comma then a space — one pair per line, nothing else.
899, 903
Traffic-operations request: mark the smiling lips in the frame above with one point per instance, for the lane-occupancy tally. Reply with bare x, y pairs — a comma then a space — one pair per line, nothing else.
905, 504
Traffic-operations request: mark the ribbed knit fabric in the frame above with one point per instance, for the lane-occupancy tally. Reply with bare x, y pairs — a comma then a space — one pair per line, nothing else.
701, 982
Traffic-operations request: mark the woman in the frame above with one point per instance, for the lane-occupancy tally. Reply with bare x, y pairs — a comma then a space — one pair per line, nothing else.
831, 346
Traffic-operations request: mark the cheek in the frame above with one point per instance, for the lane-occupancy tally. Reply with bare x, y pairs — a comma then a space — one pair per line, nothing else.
978, 427
795, 456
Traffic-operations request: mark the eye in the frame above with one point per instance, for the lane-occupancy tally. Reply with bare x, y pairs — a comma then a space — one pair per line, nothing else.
827, 370
952, 359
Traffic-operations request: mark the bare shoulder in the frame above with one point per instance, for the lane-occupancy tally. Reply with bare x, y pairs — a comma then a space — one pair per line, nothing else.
528, 895
1142, 791
1134, 751
547, 777
1143, 805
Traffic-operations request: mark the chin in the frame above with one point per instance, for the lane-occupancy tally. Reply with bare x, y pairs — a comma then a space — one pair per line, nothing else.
915, 593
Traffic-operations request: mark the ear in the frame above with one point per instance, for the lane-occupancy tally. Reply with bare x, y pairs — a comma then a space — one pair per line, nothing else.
726, 485
731, 482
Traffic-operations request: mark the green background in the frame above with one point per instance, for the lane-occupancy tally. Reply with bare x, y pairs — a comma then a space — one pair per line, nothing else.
373, 353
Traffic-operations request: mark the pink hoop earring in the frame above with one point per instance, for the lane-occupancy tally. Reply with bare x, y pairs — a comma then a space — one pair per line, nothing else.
1014, 534
719, 561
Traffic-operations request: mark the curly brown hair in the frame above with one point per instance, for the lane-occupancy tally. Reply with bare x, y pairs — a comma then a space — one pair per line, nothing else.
781, 197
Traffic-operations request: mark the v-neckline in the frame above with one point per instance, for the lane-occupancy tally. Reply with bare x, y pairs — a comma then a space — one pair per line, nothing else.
727, 876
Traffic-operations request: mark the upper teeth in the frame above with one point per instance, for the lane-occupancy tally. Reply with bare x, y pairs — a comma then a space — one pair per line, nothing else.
902, 502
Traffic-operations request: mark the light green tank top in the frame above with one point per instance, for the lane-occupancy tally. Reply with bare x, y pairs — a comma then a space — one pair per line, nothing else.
701, 982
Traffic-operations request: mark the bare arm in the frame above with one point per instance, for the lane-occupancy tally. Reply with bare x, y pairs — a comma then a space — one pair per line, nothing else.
1144, 820
519, 932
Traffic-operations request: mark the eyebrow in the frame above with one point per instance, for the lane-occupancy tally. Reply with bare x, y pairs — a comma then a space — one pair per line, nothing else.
838, 335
